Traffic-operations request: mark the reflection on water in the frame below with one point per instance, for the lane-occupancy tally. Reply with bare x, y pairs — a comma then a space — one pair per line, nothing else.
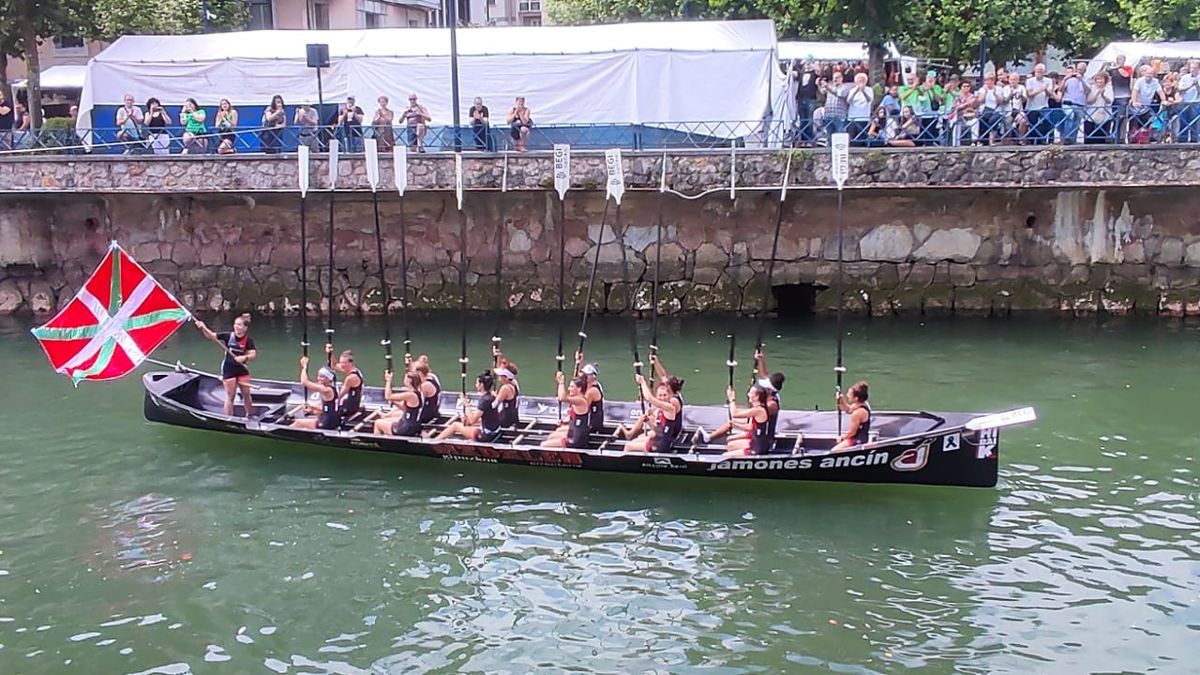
129, 547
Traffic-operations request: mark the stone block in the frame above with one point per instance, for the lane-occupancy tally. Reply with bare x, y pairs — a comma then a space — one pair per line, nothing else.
892, 243
956, 244
1170, 252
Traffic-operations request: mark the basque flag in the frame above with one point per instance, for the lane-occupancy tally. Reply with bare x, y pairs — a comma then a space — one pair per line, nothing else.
112, 324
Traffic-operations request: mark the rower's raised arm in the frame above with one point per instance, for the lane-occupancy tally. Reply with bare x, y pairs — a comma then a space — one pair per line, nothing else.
660, 371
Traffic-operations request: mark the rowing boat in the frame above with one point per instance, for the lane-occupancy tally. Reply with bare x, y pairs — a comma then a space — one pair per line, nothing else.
925, 448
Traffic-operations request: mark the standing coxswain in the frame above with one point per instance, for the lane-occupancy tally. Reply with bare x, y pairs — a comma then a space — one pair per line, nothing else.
239, 350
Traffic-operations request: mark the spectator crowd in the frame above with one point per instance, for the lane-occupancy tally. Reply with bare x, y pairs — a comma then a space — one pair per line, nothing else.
152, 128
1156, 104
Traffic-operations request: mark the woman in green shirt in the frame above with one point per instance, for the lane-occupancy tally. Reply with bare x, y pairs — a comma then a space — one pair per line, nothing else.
194, 141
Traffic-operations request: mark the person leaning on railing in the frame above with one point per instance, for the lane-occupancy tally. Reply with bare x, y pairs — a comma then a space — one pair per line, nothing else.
195, 141
1189, 102
6, 123
1099, 123
22, 139
157, 121
274, 121
227, 121
129, 120
307, 120
1141, 111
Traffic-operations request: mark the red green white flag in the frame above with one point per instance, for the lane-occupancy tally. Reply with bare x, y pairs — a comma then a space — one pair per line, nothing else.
119, 316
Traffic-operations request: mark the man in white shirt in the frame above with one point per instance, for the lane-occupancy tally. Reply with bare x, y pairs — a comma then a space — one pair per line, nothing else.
1189, 107
129, 123
1037, 103
1014, 94
858, 105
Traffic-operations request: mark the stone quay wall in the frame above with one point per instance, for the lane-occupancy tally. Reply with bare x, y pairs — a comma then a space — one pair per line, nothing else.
991, 231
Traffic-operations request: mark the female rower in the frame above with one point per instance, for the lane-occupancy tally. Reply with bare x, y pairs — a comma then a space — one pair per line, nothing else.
594, 393
239, 350
855, 403
483, 423
576, 433
410, 403
328, 417
761, 437
773, 383
509, 392
668, 420
431, 390
350, 398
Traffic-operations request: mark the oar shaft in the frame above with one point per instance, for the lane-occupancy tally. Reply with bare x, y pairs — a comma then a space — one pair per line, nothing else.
840, 368
303, 276
404, 281
462, 306
562, 269
383, 286
331, 304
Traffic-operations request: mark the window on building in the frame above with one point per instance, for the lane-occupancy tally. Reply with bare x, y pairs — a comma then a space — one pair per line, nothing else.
413, 23
531, 20
372, 14
261, 16
321, 15
67, 42
530, 6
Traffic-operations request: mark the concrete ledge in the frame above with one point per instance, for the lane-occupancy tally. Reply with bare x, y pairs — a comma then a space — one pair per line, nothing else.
690, 172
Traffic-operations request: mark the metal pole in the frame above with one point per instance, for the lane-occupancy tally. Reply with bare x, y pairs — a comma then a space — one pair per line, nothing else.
452, 7
320, 107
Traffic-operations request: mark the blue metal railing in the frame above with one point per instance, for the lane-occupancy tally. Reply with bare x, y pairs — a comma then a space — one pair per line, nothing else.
1179, 123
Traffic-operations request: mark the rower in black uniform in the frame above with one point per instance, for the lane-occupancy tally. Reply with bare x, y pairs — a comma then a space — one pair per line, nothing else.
594, 393
858, 431
483, 423
576, 433
508, 391
773, 383
409, 402
350, 397
431, 390
667, 405
239, 350
327, 415
760, 438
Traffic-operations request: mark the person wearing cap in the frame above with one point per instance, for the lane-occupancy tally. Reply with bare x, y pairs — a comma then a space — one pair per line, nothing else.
593, 392
328, 417
761, 437
481, 424
408, 402
772, 384
508, 393
576, 433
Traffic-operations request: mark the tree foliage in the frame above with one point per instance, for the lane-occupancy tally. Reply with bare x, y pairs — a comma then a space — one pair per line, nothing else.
947, 29
111, 19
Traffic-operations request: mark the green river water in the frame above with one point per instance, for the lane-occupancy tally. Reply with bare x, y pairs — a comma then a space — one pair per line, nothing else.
127, 547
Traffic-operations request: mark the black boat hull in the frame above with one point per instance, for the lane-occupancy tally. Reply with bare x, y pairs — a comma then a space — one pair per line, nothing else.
923, 448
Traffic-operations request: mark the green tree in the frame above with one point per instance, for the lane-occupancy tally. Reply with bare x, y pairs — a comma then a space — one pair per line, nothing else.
110, 19
1162, 19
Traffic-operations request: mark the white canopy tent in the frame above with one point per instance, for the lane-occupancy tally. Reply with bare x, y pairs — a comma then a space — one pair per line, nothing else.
1139, 53
58, 78
633, 73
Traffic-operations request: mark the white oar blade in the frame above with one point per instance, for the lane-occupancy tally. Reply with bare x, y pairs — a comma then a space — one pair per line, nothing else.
562, 169
400, 167
458, 180
302, 169
1007, 418
333, 163
839, 158
616, 174
371, 148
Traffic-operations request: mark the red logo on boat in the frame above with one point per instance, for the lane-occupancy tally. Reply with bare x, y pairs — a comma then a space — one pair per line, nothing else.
912, 460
